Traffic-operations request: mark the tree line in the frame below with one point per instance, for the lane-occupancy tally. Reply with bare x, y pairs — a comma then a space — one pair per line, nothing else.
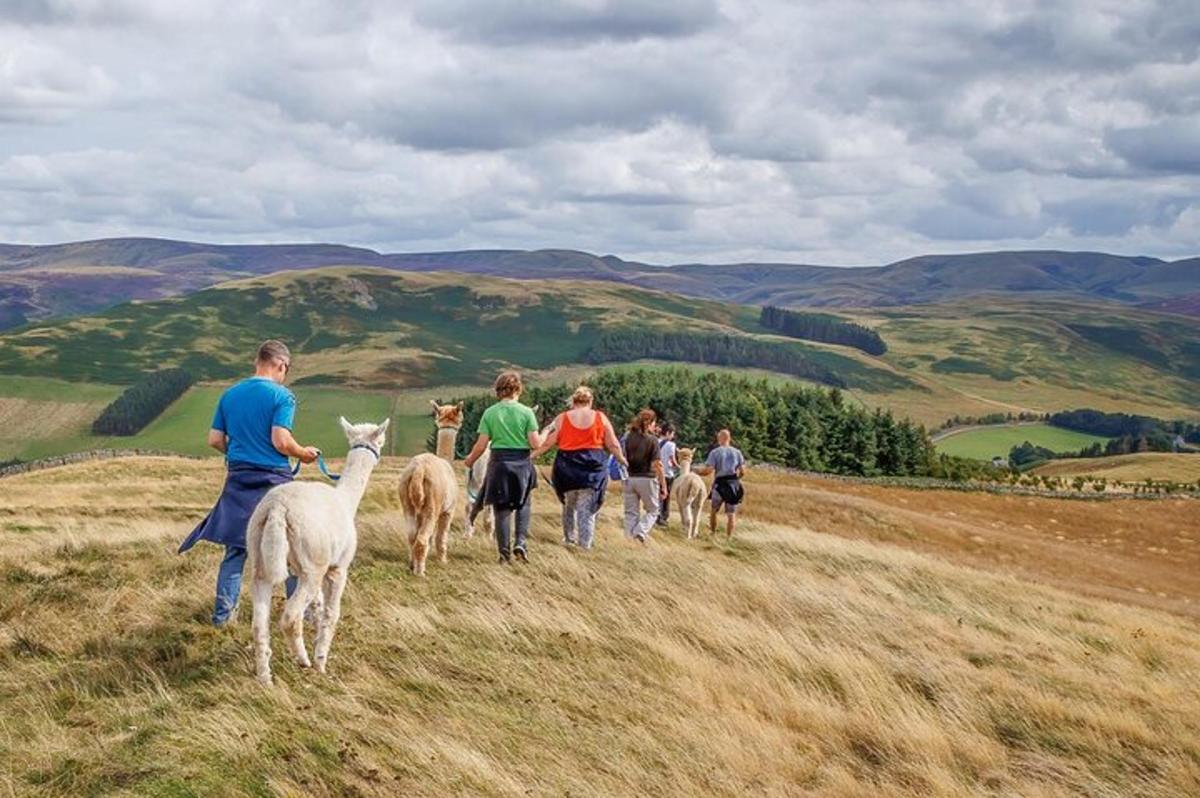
813, 429
714, 349
822, 327
142, 402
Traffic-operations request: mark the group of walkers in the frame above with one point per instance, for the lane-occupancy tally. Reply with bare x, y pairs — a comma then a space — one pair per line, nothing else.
252, 427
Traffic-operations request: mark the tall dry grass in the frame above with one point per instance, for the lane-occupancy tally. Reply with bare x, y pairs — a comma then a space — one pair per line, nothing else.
787, 662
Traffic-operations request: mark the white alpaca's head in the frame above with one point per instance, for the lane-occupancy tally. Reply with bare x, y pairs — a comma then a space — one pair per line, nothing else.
685, 456
447, 416
372, 435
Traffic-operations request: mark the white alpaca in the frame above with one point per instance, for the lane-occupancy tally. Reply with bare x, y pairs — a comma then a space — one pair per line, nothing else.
308, 527
688, 493
474, 485
429, 491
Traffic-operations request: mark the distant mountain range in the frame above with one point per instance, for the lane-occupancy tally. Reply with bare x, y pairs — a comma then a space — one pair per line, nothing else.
39, 282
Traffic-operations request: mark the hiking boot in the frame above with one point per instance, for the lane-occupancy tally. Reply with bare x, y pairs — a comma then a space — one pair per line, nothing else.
521, 555
504, 559
640, 539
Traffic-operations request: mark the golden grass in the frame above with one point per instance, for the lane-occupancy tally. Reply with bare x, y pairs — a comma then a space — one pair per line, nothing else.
1161, 466
786, 663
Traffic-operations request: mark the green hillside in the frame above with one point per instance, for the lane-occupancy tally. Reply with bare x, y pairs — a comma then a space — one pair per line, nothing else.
374, 328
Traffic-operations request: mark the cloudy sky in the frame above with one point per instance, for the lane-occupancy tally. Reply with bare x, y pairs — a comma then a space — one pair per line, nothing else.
822, 132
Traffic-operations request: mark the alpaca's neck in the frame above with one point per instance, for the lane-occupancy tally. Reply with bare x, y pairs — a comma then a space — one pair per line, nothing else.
446, 438
685, 467
353, 483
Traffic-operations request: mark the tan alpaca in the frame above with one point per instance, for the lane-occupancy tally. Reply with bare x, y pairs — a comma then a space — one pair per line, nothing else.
429, 491
688, 493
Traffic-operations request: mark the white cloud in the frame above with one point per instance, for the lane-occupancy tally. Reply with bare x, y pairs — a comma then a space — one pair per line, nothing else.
842, 132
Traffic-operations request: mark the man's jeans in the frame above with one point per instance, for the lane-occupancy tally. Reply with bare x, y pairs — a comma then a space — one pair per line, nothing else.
229, 584
641, 506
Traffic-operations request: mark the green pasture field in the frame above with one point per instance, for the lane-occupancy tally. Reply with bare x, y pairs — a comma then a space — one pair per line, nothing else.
985, 443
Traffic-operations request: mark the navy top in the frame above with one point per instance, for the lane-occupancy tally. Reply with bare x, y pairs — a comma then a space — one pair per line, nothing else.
246, 413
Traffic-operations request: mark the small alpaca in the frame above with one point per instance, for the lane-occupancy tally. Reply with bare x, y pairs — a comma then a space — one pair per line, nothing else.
308, 527
689, 493
429, 491
474, 486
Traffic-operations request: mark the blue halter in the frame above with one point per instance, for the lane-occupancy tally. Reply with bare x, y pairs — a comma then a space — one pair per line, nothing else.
325, 469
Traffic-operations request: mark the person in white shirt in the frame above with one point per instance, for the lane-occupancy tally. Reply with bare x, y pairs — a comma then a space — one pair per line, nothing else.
666, 449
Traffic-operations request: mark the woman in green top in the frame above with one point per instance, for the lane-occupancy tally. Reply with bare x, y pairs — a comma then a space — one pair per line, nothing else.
511, 430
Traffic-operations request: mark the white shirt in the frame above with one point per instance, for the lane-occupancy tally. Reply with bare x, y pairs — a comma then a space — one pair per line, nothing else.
666, 451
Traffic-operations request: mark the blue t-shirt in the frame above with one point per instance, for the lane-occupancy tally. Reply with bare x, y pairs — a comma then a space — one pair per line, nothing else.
725, 460
246, 412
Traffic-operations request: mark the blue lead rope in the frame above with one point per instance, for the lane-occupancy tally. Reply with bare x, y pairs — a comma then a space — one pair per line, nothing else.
325, 469
321, 465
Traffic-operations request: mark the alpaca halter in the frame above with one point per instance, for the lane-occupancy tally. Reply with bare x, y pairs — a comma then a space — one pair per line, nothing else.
325, 469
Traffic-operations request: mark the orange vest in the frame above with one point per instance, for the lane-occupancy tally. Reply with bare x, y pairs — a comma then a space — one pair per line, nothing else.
573, 439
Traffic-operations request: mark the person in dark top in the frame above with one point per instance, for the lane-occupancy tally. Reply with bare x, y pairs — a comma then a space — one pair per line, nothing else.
252, 427
646, 485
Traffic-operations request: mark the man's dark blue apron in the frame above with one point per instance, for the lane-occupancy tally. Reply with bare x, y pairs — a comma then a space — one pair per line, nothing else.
245, 485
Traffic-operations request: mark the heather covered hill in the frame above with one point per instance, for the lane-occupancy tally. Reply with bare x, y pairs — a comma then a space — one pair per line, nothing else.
38, 282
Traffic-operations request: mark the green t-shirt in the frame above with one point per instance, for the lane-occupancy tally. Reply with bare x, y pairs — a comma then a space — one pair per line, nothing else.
508, 424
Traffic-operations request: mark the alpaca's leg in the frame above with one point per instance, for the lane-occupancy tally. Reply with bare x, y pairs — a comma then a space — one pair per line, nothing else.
334, 585
292, 621
260, 626
418, 543
442, 538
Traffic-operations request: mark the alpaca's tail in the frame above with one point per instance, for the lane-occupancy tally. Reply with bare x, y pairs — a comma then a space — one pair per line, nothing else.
414, 489
268, 558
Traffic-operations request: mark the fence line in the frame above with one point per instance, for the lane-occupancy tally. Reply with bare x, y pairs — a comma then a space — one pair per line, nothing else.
84, 457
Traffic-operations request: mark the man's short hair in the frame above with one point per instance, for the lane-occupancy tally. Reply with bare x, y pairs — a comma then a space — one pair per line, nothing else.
508, 384
272, 350
724, 433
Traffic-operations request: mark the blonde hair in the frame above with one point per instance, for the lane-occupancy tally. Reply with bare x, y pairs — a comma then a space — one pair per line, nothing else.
582, 396
508, 384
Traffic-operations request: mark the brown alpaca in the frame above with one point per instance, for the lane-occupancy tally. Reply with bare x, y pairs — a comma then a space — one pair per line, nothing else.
429, 491
689, 493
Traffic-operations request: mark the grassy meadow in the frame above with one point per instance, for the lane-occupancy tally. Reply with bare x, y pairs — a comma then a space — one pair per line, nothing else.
791, 661
984, 443
1158, 466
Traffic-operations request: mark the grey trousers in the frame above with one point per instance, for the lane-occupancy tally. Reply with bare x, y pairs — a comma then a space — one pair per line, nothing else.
641, 505
578, 518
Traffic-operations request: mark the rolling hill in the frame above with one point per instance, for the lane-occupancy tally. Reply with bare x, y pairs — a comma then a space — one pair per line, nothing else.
39, 282
1013, 649
378, 328
395, 333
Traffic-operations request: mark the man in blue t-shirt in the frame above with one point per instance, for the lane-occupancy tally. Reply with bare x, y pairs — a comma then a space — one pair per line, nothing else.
252, 427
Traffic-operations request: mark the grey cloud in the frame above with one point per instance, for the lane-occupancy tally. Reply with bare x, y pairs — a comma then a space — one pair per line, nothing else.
1172, 145
514, 22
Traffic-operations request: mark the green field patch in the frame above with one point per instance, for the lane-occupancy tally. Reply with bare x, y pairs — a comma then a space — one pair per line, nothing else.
984, 443
963, 365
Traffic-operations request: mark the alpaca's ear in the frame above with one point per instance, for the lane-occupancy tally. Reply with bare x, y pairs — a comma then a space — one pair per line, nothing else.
347, 427
436, 407
382, 428
461, 405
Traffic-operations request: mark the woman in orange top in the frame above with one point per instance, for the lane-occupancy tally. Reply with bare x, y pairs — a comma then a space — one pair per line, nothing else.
580, 475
